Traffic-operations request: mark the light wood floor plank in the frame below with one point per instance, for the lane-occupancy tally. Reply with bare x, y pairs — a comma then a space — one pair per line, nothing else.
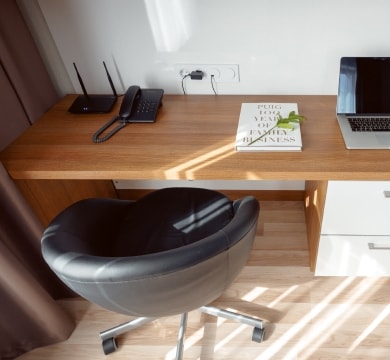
305, 317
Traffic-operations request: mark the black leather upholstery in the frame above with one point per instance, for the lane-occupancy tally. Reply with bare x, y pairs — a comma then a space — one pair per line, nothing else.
164, 220
171, 252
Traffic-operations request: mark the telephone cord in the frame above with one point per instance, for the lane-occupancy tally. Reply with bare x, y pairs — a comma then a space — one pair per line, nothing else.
97, 136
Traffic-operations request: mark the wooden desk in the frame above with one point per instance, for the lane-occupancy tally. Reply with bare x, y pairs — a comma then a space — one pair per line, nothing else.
55, 160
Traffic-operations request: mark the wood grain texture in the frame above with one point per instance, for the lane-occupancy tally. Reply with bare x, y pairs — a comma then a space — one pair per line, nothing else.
306, 317
314, 210
193, 138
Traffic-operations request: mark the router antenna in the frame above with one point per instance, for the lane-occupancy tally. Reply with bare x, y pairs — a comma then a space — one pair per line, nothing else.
94, 103
81, 82
110, 80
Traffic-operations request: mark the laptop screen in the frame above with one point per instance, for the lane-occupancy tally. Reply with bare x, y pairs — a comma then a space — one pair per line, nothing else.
364, 86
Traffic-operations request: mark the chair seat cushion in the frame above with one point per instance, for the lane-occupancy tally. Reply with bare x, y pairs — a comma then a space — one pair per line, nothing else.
169, 218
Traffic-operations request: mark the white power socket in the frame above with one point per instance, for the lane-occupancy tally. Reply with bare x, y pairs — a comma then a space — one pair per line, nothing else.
222, 73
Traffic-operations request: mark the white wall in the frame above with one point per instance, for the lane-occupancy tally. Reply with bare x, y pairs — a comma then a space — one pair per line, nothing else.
281, 46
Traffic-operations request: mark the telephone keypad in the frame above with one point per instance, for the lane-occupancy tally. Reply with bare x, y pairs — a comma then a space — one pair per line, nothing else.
146, 107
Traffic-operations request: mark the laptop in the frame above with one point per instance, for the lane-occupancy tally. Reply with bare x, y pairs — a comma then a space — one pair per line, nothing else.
363, 102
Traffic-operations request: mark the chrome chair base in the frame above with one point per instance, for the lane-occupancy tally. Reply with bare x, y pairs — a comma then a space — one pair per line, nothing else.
108, 336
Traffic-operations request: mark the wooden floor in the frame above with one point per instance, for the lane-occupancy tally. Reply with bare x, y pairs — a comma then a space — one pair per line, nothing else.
305, 317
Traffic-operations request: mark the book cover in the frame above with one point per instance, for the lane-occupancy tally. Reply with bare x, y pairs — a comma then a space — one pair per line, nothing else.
256, 129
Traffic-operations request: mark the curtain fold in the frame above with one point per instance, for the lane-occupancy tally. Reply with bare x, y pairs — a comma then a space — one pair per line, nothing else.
29, 316
22, 63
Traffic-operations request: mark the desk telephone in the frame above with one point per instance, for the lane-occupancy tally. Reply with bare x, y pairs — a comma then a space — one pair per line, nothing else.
138, 106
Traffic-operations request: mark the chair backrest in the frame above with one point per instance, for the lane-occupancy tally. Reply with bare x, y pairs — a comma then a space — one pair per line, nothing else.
157, 284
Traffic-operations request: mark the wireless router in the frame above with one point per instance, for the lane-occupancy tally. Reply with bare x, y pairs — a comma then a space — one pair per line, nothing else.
86, 104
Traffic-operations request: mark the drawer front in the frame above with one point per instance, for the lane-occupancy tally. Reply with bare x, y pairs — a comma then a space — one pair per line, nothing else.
353, 256
357, 208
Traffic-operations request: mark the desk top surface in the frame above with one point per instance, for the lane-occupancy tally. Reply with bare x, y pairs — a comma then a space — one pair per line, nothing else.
193, 138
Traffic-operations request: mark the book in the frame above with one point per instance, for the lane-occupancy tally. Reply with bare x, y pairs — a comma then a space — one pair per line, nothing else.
256, 129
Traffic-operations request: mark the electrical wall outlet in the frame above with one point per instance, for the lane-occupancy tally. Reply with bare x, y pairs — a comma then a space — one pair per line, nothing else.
222, 73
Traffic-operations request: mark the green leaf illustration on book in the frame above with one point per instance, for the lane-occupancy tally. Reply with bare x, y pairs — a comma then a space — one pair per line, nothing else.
284, 123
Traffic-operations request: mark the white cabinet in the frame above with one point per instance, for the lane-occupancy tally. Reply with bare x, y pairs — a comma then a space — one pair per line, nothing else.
342, 255
355, 232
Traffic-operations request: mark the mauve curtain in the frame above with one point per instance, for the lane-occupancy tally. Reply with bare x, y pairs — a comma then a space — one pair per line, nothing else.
29, 315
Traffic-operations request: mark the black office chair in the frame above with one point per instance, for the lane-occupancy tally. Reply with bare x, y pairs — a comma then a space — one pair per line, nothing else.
173, 251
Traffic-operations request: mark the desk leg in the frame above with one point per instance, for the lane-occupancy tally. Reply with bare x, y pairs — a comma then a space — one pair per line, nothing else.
48, 197
315, 194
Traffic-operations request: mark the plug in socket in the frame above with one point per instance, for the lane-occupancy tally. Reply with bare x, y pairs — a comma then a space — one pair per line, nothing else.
196, 75
221, 73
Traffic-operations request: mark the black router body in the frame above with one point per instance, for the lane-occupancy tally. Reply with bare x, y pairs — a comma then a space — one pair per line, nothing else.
86, 104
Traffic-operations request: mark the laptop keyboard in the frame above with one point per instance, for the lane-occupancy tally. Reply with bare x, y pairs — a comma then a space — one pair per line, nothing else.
370, 123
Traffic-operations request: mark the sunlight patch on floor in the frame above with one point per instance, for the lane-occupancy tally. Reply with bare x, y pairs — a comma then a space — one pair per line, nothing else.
370, 328
282, 296
254, 294
299, 327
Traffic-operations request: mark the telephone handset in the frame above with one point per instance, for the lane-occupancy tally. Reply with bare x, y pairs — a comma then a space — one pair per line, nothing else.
138, 106
132, 93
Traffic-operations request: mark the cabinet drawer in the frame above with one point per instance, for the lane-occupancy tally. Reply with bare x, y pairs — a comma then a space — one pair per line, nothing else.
353, 256
357, 208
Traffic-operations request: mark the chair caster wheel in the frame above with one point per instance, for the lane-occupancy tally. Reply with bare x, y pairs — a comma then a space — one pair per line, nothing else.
258, 334
109, 345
